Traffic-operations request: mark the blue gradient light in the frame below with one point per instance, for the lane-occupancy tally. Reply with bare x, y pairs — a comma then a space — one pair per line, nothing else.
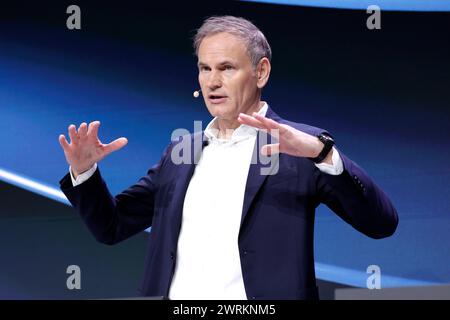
357, 278
32, 185
393, 5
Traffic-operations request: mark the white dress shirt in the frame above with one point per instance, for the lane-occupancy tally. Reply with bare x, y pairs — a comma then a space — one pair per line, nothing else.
208, 264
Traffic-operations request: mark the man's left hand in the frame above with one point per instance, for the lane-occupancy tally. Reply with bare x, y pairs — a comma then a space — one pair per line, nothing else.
291, 141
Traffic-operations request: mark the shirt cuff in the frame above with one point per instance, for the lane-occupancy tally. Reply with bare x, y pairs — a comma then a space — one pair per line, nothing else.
334, 169
82, 177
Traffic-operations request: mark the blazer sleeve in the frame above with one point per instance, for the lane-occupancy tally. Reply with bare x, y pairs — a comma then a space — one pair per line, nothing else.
112, 219
355, 197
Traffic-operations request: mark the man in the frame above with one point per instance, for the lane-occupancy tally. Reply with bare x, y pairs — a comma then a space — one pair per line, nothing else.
220, 228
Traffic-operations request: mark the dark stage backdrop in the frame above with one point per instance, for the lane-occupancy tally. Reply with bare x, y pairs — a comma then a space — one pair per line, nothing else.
383, 94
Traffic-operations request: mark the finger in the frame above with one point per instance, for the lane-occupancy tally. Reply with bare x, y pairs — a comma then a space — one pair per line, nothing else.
270, 149
73, 134
259, 122
250, 121
115, 145
93, 129
269, 123
82, 130
63, 142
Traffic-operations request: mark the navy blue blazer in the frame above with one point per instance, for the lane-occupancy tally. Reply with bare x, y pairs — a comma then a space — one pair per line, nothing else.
277, 225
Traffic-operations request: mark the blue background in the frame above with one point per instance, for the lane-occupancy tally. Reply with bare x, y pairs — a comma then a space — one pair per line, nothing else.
384, 94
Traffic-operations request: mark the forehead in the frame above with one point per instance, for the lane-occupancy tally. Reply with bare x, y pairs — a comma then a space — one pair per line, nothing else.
222, 46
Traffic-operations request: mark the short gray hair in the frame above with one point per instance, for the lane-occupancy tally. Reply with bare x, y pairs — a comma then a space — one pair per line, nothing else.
256, 42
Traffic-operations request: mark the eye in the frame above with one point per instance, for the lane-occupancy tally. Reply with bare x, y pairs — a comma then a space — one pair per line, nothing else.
204, 68
229, 67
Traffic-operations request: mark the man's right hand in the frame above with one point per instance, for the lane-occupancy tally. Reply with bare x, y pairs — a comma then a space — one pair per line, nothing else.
85, 149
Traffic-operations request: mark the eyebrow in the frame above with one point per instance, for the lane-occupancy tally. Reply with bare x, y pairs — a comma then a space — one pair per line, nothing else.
202, 64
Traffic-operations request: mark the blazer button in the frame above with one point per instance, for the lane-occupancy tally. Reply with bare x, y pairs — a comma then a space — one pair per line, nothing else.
172, 255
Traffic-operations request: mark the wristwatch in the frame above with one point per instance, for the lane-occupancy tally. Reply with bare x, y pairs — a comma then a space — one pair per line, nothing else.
328, 143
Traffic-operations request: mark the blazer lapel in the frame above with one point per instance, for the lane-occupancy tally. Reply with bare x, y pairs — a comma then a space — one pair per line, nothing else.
256, 175
184, 174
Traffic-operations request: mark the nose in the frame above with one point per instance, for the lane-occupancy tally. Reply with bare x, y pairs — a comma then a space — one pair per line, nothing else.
214, 81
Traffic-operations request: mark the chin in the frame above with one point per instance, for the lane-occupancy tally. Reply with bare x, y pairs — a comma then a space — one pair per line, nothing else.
221, 112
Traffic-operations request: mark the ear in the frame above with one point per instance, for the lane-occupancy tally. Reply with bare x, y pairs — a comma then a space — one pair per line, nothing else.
263, 72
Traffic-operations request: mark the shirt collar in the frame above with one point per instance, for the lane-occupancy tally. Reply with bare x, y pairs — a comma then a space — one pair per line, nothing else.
240, 133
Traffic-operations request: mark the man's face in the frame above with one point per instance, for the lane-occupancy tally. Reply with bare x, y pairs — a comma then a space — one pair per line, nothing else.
226, 76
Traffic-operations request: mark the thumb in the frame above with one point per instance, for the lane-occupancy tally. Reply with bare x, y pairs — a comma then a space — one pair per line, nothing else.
115, 145
270, 149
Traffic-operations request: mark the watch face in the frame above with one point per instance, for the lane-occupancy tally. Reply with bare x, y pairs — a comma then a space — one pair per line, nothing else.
326, 138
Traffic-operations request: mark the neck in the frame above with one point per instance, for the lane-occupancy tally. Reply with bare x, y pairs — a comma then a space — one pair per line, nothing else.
226, 127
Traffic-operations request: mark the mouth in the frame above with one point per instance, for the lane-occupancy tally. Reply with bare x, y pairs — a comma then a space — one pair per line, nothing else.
217, 99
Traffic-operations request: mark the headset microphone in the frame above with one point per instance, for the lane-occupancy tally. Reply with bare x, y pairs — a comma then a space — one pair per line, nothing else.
196, 94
